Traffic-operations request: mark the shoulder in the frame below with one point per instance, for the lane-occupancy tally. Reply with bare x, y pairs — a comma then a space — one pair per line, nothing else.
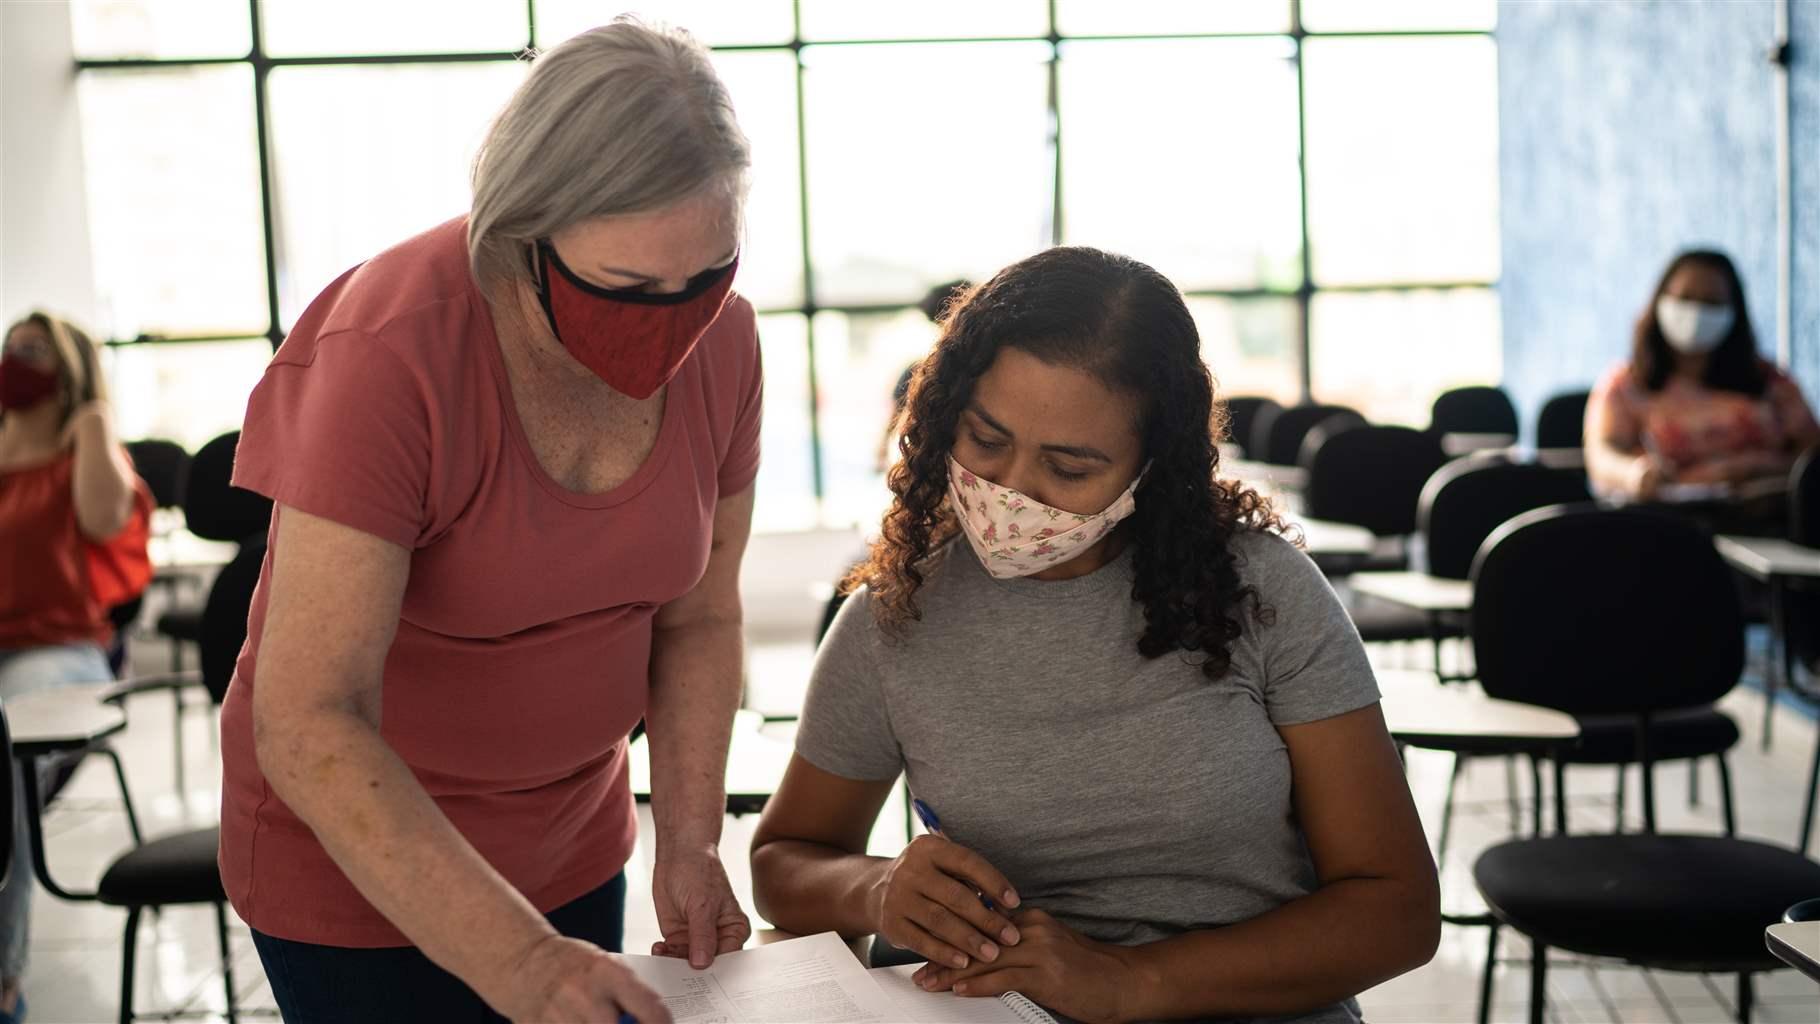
1264, 557
412, 296
729, 350
1619, 380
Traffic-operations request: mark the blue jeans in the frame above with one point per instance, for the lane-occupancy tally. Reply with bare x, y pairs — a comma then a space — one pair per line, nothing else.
24, 671
399, 985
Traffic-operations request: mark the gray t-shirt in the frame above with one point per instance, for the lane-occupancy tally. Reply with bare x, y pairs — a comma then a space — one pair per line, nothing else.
1134, 799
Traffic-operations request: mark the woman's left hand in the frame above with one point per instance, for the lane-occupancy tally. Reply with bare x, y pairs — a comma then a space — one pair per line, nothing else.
696, 910
1053, 965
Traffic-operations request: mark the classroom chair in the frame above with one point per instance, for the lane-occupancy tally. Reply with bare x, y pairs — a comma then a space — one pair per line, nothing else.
1624, 614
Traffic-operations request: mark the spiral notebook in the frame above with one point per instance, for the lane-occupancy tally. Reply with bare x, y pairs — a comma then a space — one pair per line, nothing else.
947, 1008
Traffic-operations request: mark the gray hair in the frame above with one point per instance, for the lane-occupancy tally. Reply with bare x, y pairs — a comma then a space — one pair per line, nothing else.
624, 118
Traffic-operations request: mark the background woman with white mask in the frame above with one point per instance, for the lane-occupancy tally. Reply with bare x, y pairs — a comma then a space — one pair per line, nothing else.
1147, 726
1695, 405
513, 460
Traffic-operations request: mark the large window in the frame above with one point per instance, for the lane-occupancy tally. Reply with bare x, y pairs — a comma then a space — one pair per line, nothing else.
1318, 176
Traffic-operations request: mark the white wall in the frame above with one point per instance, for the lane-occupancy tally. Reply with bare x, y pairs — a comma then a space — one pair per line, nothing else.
44, 243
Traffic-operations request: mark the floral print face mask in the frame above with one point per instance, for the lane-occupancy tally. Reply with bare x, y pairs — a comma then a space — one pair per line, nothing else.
1016, 535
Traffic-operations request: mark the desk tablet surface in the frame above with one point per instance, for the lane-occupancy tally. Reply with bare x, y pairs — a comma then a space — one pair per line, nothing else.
1415, 590
1417, 706
1798, 945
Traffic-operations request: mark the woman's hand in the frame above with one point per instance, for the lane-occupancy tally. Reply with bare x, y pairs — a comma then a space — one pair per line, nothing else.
1054, 965
90, 420
567, 981
928, 901
696, 909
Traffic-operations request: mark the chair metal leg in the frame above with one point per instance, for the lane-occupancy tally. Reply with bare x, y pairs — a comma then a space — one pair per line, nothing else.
1491, 964
1693, 782
1510, 793
1747, 997
1725, 797
1535, 783
227, 962
1453, 780
177, 740
1560, 798
129, 948
1807, 808
126, 796
1618, 815
1538, 984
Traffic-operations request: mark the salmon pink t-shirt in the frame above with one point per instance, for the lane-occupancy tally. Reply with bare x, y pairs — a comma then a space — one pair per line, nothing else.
523, 647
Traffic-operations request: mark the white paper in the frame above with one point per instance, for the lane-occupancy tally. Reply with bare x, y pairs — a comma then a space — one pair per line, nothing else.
813, 980
921, 1007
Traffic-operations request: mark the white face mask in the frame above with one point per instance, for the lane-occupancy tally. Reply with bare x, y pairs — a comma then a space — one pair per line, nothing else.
1015, 535
1693, 328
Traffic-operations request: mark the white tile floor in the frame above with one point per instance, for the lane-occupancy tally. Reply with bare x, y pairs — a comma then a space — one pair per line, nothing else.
74, 974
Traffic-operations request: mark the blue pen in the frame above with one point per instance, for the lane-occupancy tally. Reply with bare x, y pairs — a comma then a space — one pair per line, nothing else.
934, 825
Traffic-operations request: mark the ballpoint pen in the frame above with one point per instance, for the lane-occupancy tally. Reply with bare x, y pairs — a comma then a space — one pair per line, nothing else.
934, 825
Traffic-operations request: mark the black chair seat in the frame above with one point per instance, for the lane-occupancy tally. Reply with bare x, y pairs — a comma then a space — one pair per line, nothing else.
1675, 902
1380, 621
181, 624
1674, 736
175, 869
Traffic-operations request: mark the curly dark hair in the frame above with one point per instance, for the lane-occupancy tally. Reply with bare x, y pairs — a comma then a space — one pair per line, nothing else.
1125, 324
1733, 366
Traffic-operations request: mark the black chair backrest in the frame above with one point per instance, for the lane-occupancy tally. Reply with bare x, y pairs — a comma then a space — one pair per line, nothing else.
1605, 611
1804, 499
215, 509
163, 465
1467, 499
1476, 410
224, 616
1562, 422
1370, 476
1333, 426
1242, 416
1278, 439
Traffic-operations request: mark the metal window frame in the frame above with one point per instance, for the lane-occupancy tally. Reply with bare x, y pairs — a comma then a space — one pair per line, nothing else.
1303, 295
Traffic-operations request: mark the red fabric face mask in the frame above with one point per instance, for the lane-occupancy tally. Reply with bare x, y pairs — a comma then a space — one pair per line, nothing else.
633, 340
23, 385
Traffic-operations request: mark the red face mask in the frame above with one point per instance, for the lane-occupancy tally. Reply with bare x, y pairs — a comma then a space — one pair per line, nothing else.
633, 340
23, 385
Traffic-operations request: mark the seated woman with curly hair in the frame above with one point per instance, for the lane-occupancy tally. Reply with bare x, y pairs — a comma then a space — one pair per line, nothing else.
1164, 784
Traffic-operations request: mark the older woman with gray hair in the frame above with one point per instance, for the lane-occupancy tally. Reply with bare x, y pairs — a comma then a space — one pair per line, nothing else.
513, 460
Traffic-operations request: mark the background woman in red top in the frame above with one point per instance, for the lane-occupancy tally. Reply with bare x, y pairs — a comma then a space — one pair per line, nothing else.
1696, 406
512, 460
65, 484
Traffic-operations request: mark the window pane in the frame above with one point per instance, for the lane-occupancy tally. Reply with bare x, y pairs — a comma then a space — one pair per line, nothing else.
715, 22
1388, 354
124, 29
786, 476
302, 28
918, 177
1397, 15
1250, 345
369, 155
1137, 180
1402, 160
173, 200
858, 361
1159, 17
188, 393
764, 93
928, 19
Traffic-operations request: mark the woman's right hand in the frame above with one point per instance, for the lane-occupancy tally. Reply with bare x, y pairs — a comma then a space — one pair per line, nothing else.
567, 981
928, 902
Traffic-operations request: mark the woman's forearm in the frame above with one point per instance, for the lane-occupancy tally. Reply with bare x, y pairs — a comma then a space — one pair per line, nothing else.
807, 888
695, 690
102, 479
401, 852
1325, 947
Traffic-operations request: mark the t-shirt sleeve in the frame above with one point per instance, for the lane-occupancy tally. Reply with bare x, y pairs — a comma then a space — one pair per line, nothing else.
846, 727
1314, 663
740, 465
1791, 409
339, 427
